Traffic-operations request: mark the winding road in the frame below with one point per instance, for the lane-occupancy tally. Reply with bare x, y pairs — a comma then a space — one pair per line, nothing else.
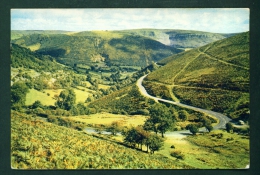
222, 118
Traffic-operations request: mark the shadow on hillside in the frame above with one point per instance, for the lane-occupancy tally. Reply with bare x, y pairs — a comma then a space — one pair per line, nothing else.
54, 52
118, 142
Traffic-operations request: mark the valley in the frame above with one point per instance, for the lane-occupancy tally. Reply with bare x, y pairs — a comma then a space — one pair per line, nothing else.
129, 99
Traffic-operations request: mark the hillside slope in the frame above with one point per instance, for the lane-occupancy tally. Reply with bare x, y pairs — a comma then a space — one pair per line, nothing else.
128, 100
215, 76
23, 57
36, 144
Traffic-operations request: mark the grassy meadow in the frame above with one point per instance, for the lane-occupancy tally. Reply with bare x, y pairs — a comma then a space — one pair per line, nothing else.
221, 149
47, 96
35, 95
108, 118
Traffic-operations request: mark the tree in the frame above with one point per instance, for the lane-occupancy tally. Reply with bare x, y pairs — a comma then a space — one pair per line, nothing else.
164, 125
149, 126
116, 76
18, 94
131, 137
89, 78
142, 135
66, 99
154, 143
160, 119
37, 104
183, 115
74, 110
229, 127
192, 128
206, 123
135, 136
89, 99
113, 128
82, 109
209, 127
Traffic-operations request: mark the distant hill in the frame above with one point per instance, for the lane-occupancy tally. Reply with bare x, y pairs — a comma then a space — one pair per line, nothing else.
112, 48
15, 34
215, 76
179, 38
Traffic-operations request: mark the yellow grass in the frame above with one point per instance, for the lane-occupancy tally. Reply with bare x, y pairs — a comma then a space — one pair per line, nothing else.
102, 86
34, 47
107, 34
107, 118
81, 96
87, 83
34, 95
71, 33
53, 92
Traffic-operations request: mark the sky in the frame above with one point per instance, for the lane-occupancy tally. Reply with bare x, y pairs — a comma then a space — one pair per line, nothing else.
217, 20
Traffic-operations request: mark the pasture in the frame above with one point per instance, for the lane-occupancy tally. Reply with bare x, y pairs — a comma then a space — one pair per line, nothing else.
47, 96
107, 118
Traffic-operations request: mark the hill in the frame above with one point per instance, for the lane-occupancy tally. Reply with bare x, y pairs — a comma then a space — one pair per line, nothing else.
214, 76
23, 57
111, 48
16, 34
179, 38
127, 100
125, 47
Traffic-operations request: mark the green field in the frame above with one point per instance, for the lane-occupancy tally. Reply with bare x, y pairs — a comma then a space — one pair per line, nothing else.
35, 95
45, 99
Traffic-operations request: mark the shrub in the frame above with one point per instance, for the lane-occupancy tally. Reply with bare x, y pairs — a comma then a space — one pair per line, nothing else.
193, 128
177, 154
36, 104
229, 127
219, 135
243, 131
230, 139
140, 112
